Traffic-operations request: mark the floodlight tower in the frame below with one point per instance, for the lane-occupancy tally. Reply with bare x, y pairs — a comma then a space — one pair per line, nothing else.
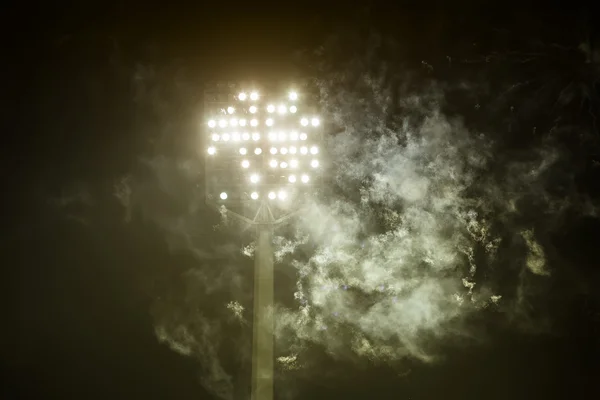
262, 156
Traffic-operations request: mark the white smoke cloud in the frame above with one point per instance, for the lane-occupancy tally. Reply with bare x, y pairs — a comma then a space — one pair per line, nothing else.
419, 212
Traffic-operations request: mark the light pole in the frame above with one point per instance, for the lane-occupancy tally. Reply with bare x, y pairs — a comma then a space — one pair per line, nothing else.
261, 154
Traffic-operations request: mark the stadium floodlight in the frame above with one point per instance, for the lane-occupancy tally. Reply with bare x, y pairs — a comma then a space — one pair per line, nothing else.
261, 158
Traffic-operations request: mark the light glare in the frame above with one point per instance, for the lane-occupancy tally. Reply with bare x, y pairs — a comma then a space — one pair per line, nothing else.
254, 96
283, 150
223, 196
254, 122
252, 109
254, 195
212, 123
272, 195
243, 151
222, 123
314, 150
254, 178
315, 122
304, 121
212, 150
255, 136
226, 137
283, 164
304, 178
294, 135
293, 96
233, 122
269, 122
292, 178
245, 164
242, 96
294, 163
293, 150
303, 136
242, 122
273, 163
303, 150
293, 109
273, 150
257, 151
282, 195
282, 109
230, 110
270, 108
246, 136
314, 163
215, 137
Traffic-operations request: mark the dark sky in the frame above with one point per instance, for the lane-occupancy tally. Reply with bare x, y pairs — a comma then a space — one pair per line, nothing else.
96, 93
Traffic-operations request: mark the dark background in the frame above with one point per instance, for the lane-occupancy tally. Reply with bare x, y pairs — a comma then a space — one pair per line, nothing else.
78, 285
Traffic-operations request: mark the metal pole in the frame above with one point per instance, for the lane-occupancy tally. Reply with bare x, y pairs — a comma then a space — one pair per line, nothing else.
262, 346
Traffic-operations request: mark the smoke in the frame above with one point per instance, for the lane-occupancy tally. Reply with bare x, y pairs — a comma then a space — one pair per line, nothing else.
423, 226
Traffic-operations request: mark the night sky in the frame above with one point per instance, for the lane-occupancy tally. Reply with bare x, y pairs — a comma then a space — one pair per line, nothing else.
452, 254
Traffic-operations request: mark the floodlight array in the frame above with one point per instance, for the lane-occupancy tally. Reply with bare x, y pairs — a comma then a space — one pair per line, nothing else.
275, 147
